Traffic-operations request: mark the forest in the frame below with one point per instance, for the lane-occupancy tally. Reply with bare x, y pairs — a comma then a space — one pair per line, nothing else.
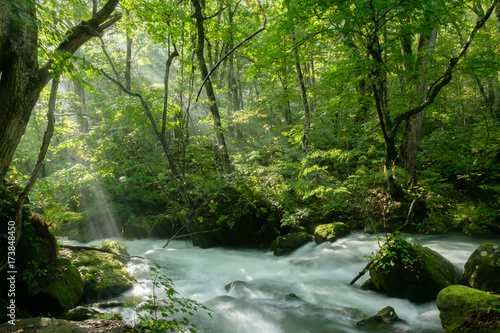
260, 125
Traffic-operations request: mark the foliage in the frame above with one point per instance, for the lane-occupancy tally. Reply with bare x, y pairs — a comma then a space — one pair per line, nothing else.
396, 249
105, 157
163, 315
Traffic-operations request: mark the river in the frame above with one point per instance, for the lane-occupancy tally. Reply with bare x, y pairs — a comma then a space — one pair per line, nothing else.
318, 275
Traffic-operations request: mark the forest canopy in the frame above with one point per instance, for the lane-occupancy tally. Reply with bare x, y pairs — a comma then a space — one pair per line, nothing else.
246, 119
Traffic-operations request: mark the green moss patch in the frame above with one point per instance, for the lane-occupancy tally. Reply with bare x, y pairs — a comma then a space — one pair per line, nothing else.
330, 232
104, 276
464, 309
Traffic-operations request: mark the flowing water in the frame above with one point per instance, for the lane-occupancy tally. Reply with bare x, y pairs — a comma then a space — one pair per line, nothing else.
260, 300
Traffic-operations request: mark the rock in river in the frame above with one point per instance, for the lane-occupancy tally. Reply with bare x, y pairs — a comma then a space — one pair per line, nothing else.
482, 269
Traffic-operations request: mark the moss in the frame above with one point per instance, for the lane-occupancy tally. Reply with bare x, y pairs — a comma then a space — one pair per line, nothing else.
114, 246
462, 308
104, 276
330, 232
63, 291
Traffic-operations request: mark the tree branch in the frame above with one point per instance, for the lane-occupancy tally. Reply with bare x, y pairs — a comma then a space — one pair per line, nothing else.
83, 32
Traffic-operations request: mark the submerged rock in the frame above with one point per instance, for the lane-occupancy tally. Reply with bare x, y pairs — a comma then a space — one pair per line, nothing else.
240, 288
289, 243
384, 319
330, 232
482, 269
464, 309
419, 277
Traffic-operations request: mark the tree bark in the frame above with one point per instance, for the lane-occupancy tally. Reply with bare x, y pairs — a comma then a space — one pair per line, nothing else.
20, 81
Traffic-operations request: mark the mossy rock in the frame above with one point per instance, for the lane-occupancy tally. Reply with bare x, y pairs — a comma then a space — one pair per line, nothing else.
114, 246
105, 277
330, 232
90, 284
289, 243
418, 278
63, 291
482, 269
464, 309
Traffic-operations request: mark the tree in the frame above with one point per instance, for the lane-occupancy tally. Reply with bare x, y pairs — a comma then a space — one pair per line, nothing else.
381, 30
221, 148
22, 78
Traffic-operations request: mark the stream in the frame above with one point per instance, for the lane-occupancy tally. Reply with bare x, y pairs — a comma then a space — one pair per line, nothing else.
260, 302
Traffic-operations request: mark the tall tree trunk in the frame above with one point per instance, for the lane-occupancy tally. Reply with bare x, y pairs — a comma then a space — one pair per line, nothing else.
303, 94
81, 110
233, 104
128, 60
222, 150
413, 125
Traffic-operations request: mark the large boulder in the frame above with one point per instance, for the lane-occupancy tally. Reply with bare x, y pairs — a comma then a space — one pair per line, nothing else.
289, 243
464, 309
411, 271
104, 276
482, 269
59, 292
330, 232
